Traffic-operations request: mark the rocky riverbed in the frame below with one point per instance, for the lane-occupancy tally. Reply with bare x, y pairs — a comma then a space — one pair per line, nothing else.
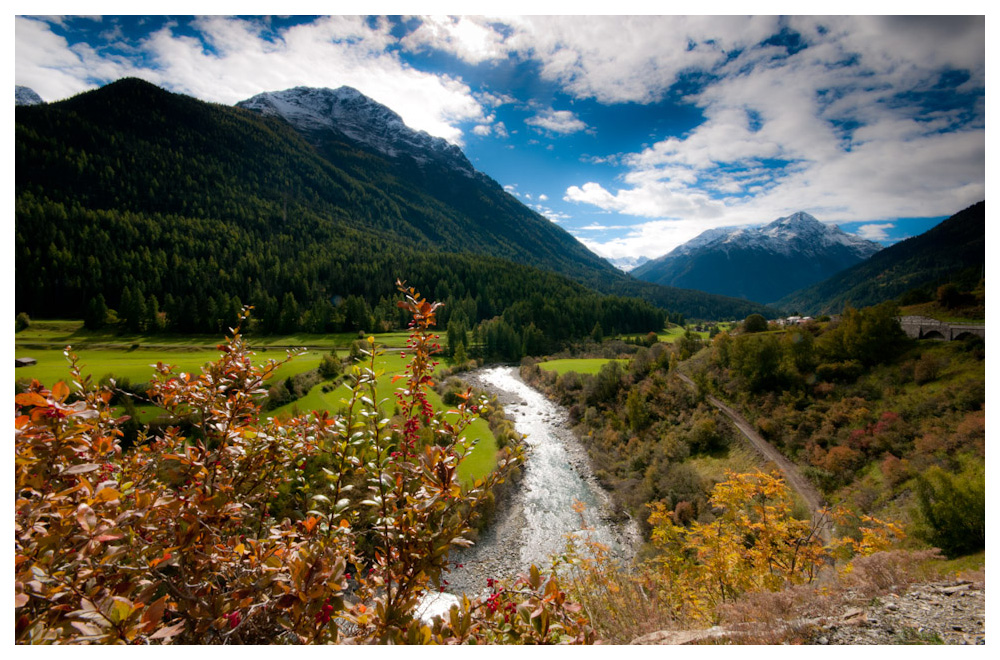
532, 522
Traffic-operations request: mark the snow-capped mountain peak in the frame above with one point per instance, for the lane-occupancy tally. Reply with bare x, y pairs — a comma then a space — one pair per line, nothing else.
626, 264
26, 96
760, 263
360, 118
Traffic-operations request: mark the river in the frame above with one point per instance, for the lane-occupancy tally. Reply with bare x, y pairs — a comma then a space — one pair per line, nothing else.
533, 523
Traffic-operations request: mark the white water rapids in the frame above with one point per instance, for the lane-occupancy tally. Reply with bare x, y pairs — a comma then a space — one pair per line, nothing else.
535, 522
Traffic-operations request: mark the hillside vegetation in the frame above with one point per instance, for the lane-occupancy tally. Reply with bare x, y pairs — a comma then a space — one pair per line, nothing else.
880, 423
909, 271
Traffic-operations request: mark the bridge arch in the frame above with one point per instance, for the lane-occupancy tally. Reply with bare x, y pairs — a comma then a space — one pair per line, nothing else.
932, 334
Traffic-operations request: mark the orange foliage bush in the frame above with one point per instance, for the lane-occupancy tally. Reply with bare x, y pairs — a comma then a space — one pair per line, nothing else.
176, 541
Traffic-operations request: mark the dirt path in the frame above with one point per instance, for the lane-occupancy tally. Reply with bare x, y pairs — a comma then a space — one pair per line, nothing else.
791, 472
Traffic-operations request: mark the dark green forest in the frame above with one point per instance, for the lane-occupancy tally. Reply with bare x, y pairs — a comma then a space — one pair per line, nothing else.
174, 213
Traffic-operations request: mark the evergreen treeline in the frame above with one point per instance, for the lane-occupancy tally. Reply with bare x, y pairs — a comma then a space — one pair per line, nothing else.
183, 274
172, 213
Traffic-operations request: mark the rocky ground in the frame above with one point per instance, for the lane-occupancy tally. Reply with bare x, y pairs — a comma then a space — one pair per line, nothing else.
950, 612
944, 612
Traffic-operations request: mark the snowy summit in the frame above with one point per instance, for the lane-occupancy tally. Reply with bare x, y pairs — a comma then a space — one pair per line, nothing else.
348, 111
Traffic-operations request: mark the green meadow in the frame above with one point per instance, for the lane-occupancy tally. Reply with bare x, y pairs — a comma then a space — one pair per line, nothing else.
134, 357
580, 366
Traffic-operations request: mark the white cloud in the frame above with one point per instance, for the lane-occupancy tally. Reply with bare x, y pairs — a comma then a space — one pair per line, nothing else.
49, 65
772, 141
245, 59
649, 239
563, 122
465, 37
629, 58
482, 130
543, 197
554, 216
875, 232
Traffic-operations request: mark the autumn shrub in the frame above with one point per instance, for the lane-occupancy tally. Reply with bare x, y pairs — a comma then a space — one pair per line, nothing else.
621, 601
177, 539
951, 508
753, 545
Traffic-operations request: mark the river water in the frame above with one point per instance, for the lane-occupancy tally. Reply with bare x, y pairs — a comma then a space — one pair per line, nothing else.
536, 520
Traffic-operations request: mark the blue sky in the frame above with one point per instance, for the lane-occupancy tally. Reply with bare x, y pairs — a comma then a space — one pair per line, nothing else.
633, 133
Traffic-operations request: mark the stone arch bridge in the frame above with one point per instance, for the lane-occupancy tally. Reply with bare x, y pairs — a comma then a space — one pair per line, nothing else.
922, 327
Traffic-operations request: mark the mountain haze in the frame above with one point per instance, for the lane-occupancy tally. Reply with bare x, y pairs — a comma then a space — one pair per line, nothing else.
760, 264
954, 250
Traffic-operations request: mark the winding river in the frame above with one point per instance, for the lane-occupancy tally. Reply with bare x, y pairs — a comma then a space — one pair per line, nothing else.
536, 520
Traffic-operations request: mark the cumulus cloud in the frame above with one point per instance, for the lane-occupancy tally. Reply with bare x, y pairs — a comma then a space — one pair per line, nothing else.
468, 38
55, 70
837, 129
562, 122
649, 239
235, 58
549, 214
618, 59
875, 232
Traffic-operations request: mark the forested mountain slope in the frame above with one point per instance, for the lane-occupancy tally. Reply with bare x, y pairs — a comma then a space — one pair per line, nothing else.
131, 193
953, 251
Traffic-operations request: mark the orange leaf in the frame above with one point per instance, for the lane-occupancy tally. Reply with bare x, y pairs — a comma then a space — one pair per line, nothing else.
60, 391
30, 399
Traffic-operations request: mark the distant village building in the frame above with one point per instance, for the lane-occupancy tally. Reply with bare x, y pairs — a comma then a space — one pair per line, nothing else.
24, 362
794, 320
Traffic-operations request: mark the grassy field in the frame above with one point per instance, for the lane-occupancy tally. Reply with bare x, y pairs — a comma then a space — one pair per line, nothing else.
134, 357
675, 332
59, 334
138, 365
580, 366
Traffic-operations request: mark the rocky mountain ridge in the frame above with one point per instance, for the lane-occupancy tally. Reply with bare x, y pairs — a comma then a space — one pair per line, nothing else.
347, 111
759, 263
26, 96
